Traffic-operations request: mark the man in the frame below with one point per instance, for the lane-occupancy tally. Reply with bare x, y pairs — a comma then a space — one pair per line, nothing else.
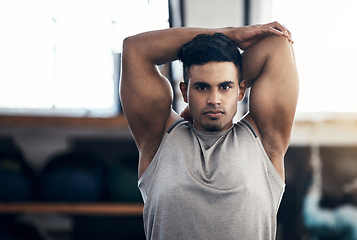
211, 179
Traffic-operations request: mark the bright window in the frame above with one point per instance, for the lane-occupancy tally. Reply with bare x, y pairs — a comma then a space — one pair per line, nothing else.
62, 56
325, 47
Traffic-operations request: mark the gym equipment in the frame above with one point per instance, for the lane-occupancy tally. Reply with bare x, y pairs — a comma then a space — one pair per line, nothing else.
123, 184
17, 178
73, 177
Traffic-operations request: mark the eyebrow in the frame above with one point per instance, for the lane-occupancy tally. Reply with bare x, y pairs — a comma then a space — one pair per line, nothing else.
225, 83
201, 84
204, 84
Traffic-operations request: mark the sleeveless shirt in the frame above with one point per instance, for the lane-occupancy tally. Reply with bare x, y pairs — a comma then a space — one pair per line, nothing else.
210, 185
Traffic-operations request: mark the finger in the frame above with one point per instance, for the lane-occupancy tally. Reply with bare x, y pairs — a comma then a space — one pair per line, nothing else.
288, 35
279, 26
283, 29
272, 30
277, 29
269, 29
287, 30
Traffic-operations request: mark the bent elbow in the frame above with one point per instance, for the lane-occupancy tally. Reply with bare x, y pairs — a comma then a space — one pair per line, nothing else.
128, 46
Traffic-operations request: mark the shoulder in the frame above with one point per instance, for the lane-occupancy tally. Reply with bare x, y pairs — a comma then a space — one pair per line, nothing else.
178, 125
151, 144
250, 127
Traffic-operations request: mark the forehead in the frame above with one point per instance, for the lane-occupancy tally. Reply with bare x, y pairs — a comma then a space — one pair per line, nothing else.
213, 72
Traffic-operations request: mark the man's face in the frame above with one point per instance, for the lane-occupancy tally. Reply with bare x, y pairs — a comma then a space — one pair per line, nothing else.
212, 95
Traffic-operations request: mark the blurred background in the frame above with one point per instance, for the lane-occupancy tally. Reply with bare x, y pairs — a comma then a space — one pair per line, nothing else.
68, 163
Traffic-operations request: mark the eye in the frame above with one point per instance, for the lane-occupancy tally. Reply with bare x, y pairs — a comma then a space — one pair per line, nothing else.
201, 88
226, 87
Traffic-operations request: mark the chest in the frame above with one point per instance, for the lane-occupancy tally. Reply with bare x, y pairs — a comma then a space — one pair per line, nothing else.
223, 171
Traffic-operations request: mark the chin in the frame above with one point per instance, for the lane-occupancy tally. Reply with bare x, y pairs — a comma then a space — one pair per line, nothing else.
213, 127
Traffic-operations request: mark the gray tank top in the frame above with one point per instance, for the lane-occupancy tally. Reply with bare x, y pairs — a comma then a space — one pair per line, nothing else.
210, 185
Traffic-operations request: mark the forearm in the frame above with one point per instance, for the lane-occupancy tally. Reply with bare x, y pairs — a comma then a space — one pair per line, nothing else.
162, 46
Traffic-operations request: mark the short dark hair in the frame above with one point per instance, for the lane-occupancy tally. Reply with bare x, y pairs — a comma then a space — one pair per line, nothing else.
206, 48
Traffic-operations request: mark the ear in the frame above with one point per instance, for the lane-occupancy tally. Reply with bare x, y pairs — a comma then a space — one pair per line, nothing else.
183, 88
242, 89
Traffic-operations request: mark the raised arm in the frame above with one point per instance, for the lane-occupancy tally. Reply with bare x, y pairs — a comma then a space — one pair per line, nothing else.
269, 67
147, 95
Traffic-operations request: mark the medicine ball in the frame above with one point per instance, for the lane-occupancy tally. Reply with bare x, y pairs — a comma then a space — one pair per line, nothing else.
74, 177
17, 178
123, 184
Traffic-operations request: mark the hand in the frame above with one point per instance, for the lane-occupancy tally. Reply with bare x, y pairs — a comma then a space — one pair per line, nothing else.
248, 35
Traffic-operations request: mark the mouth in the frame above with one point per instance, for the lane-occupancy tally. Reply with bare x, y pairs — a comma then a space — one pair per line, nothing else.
213, 114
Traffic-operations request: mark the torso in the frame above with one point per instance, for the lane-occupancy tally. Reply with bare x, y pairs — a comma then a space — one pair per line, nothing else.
194, 187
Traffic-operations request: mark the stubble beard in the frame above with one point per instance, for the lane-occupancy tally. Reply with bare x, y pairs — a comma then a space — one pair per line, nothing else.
213, 125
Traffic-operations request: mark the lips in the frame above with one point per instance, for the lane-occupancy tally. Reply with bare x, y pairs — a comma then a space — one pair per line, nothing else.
214, 113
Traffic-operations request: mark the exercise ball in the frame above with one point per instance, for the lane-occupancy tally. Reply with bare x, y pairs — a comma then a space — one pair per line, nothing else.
123, 184
17, 178
73, 177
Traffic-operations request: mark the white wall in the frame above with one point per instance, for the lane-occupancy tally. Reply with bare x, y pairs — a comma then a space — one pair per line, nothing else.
213, 13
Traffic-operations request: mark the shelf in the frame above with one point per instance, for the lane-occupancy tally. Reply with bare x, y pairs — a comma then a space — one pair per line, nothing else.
122, 209
117, 121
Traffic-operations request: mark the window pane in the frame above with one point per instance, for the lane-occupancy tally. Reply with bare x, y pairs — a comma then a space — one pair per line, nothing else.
26, 57
325, 46
61, 56
84, 64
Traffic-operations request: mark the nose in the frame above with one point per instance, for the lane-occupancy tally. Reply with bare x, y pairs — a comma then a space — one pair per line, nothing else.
214, 98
